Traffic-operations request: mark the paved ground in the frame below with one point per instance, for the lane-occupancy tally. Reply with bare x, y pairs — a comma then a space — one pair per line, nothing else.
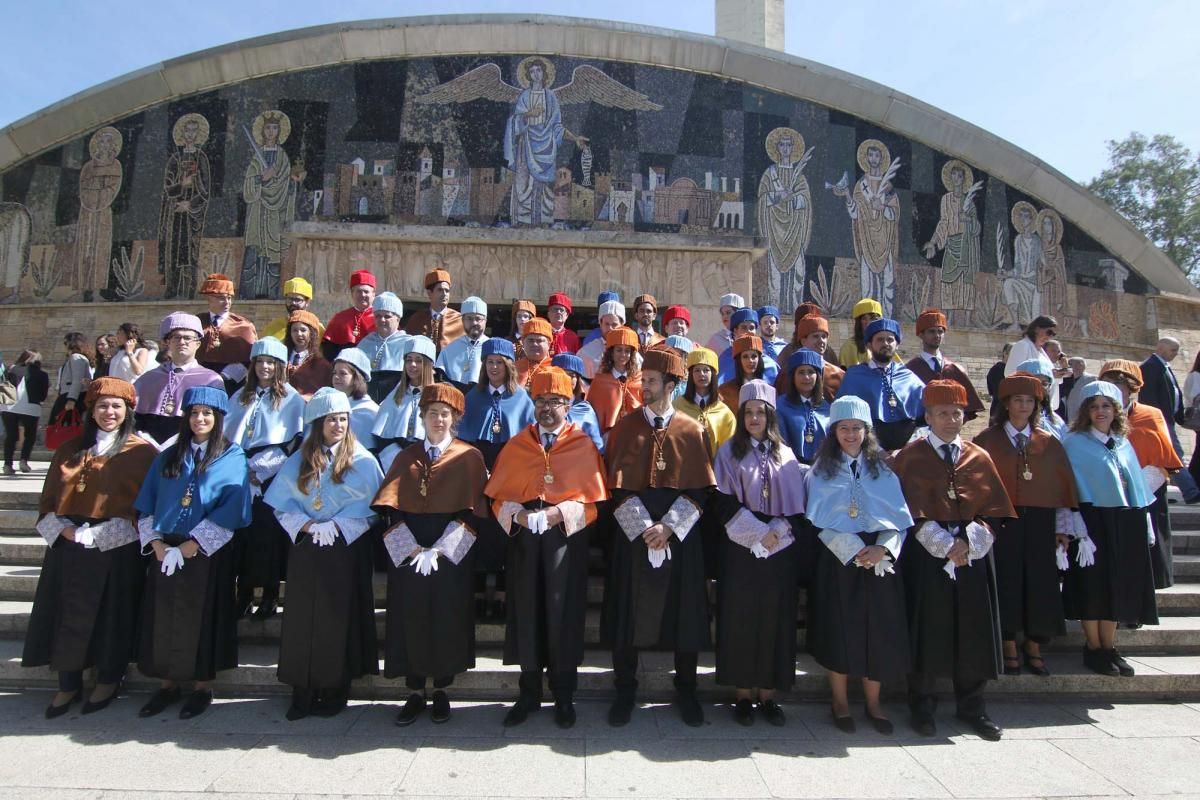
244, 748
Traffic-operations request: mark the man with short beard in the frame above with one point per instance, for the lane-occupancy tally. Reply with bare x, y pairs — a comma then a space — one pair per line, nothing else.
768, 331
812, 332
385, 346
439, 322
891, 390
932, 365
645, 310
297, 294
460, 361
660, 477
351, 325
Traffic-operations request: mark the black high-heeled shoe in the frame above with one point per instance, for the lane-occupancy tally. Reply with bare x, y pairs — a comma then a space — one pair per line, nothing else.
1012, 666
54, 712
91, 707
1039, 668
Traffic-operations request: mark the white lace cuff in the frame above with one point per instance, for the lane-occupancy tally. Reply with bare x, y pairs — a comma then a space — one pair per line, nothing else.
508, 510
455, 542
979, 540
352, 527
574, 516
146, 533
746, 529
265, 463
234, 372
292, 522
113, 533
633, 517
681, 516
51, 527
892, 541
1154, 476
400, 543
935, 539
1070, 523
210, 536
844, 546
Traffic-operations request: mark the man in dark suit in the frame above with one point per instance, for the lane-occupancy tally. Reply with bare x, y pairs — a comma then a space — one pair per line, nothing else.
1161, 390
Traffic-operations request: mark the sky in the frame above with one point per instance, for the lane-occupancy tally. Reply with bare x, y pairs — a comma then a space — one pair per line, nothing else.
1058, 78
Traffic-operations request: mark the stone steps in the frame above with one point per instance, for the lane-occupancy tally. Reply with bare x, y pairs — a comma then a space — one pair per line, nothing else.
1159, 677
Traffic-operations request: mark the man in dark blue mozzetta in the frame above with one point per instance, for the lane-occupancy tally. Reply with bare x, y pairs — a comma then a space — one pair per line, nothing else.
891, 390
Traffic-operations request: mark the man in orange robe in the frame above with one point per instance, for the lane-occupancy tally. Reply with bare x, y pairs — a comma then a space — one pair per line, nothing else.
228, 337
536, 336
544, 490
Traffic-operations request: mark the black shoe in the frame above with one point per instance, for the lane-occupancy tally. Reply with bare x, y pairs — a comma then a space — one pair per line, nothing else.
1037, 666
267, 608
924, 725
196, 704
743, 712
882, 725
521, 710
54, 712
412, 709
689, 709
983, 726
621, 710
1098, 661
302, 704
159, 701
1118, 661
91, 708
330, 702
564, 714
773, 712
844, 724
441, 707
245, 603
1012, 666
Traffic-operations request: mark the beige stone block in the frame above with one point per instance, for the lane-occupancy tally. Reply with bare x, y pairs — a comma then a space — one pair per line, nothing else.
118, 97
282, 56
9, 152
208, 70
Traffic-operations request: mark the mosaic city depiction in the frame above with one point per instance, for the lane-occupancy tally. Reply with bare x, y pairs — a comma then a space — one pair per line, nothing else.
144, 208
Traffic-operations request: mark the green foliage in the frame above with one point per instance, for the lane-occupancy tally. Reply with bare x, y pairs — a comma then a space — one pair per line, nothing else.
1155, 184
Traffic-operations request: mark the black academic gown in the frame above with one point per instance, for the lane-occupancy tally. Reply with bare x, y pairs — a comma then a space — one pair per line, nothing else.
1120, 585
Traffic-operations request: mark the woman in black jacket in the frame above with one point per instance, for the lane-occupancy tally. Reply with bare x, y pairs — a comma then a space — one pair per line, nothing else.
33, 386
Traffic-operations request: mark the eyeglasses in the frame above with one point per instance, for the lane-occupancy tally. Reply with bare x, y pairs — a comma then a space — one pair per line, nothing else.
178, 339
552, 402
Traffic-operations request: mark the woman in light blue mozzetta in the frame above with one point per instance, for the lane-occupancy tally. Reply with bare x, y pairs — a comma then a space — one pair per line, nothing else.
858, 624
196, 495
266, 419
351, 373
399, 422
322, 499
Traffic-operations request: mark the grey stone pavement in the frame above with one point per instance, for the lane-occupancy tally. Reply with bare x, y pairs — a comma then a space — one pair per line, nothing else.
244, 748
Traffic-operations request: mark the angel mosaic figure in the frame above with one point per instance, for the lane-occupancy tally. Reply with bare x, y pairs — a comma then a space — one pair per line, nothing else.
785, 216
874, 209
187, 182
269, 189
535, 128
957, 233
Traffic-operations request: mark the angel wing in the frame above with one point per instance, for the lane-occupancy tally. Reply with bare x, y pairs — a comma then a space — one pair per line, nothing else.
481, 83
590, 85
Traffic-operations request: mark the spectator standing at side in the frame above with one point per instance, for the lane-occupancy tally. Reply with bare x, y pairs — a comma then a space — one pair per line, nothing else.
74, 375
33, 385
132, 356
1161, 390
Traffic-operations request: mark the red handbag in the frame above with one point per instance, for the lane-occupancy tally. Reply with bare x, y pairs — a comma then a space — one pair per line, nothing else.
65, 427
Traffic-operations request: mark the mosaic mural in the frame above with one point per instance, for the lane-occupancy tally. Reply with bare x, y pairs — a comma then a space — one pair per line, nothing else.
145, 207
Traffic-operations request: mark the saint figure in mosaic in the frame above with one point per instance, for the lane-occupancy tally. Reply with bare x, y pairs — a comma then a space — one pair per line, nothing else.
1021, 289
187, 182
785, 216
1053, 278
874, 209
269, 189
957, 235
99, 182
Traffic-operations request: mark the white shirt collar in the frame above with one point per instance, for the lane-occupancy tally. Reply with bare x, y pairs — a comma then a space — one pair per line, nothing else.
666, 415
1012, 432
199, 448
171, 365
333, 448
618, 374
929, 357
876, 365
104, 441
937, 443
441, 446
1103, 437
556, 432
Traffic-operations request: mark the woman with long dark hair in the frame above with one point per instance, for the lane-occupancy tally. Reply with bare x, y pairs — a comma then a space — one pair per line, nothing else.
351, 373
322, 499
73, 375
307, 368
857, 623
85, 610
106, 346
399, 422
617, 387
131, 356
762, 499
803, 412
433, 499
748, 365
267, 420
1037, 475
854, 350
496, 408
196, 495
22, 417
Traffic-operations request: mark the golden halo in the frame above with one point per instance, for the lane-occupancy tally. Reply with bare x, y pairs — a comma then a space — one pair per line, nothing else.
1051, 214
201, 129
1015, 216
285, 126
523, 71
94, 142
862, 155
968, 175
772, 143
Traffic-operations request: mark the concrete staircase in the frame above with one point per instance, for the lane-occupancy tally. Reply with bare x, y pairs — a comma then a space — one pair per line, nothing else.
1167, 656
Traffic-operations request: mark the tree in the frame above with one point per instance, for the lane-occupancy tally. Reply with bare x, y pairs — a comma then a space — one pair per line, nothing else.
1155, 184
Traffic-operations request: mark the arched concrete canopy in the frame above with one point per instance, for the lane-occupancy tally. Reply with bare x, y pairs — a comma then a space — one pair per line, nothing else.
414, 37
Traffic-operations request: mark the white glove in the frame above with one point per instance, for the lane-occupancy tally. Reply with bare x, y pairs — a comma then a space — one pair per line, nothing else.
759, 550
1061, 559
659, 557
1149, 529
536, 522
85, 537
884, 567
172, 561
949, 569
426, 562
255, 491
1086, 556
323, 534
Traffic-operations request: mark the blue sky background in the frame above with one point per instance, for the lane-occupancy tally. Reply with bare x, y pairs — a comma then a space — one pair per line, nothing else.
1055, 77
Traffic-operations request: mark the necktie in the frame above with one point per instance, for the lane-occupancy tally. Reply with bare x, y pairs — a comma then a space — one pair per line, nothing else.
889, 397
295, 359
1022, 440
548, 440
493, 433
197, 455
412, 416
434, 454
854, 468
328, 455
1111, 444
659, 423
948, 454
937, 366
621, 378
702, 402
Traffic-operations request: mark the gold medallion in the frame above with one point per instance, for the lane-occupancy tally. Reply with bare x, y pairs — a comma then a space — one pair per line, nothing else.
660, 465
808, 438
356, 331
376, 362
852, 510
892, 402
496, 427
249, 431
424, 488
81, 486
951, 493
318, 503
186, 500
168, 407
766, 492
216, 340
548, 478
1027, 474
